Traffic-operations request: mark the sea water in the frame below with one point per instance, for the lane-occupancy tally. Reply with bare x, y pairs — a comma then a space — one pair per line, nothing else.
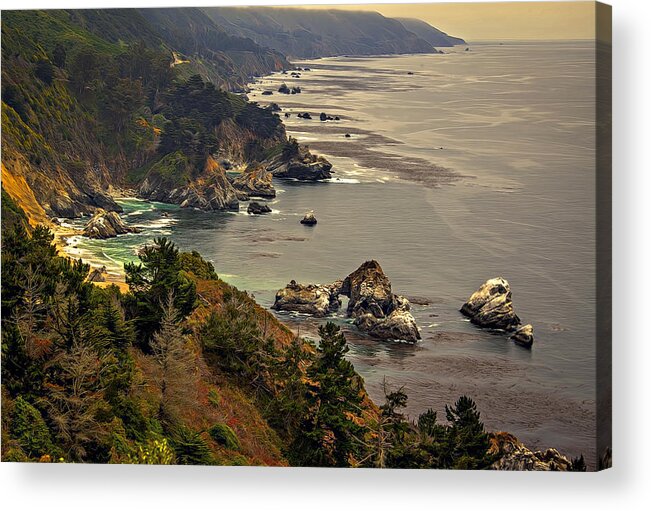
459, 167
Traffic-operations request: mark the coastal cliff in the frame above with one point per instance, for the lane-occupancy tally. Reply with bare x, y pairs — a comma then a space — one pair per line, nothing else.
432, 35
86, 102
307, 33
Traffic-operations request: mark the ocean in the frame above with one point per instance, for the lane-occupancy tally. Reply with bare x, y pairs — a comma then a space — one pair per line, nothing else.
459, 167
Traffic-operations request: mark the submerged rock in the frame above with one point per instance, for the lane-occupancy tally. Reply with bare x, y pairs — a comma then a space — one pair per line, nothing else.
514, 455
523, 336
106, 224
491, 306
309, 219
308, 299
255, 182
255, 208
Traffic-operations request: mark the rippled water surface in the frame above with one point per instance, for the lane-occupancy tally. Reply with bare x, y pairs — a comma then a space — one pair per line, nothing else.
478, 164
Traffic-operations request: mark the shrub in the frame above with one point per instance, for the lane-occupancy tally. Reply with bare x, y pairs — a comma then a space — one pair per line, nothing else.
44, 71
30, 430
192, 262
190, 448
152, 452
224, 435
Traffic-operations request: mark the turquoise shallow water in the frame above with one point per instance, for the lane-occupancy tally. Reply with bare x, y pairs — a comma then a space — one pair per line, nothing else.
516, 123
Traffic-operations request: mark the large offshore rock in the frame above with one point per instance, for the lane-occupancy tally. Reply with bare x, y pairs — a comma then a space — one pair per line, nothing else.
491, 306
372, 305
255, 182
398, 325
308, 299
514, 455
368, 290
106, 224
375, 308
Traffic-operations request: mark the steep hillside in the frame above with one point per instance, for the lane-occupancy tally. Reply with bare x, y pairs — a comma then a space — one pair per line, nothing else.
88, 99
307, 33
431, 34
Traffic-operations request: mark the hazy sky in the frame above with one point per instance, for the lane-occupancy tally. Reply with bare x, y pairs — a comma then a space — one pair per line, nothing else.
507, 20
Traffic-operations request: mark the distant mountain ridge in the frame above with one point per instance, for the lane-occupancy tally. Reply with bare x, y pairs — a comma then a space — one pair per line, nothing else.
304, 33
432, 35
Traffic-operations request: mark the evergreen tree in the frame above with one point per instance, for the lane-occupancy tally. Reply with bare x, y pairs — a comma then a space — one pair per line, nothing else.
150, 282
467, 441
177, 379
331, 431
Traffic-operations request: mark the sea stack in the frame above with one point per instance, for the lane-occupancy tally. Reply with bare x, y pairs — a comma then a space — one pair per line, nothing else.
309, 218
491, 306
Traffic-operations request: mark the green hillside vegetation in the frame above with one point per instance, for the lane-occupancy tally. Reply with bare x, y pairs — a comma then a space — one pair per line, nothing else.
88, 96
185, 369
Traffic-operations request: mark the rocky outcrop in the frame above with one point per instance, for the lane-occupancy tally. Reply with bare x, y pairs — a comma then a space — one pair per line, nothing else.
210, 191
303, 166
375, 308
523, 336
255, 208
309, 219
255, 182
308, 299
371, 303
514, 455
106, 224
491, 306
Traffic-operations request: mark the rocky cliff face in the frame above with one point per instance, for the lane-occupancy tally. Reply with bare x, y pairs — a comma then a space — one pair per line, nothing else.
255, 182
177, 182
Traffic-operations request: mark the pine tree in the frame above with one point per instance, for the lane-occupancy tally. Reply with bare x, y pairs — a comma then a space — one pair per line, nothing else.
177, 380
331, 431
467, 442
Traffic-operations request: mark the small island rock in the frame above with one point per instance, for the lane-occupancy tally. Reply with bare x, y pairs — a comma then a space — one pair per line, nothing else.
523, 336
309, 219
491, 306
375, 308
307, 299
